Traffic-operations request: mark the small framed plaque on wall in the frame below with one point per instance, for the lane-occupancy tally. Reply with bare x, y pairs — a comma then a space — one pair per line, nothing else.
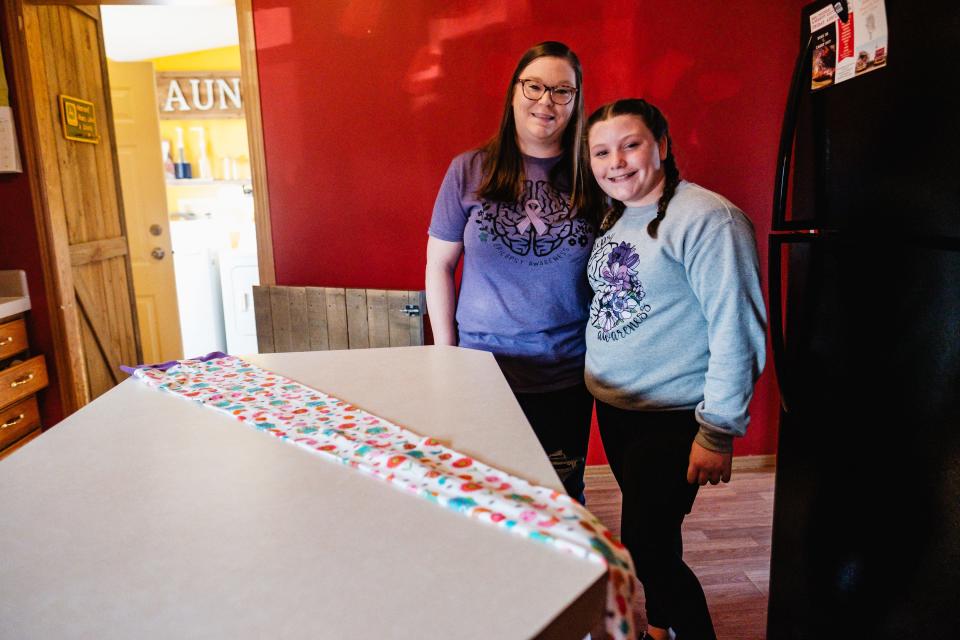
79, 120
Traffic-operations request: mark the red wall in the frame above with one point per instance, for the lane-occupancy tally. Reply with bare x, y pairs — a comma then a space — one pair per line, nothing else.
366, 101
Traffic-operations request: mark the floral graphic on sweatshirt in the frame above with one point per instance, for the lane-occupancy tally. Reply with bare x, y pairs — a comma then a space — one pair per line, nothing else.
620, 293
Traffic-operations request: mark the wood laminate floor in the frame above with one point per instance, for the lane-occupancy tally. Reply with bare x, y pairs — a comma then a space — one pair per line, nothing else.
726, 542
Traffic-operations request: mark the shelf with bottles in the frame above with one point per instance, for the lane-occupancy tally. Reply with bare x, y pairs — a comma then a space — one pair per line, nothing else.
208, 162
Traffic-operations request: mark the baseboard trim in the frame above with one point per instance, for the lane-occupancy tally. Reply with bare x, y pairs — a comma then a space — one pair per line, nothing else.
755, 463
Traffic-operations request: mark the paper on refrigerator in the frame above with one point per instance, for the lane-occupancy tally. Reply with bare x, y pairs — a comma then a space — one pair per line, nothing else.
843, 50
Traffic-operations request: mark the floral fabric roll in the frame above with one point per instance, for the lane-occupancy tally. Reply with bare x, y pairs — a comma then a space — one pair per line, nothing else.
349, 435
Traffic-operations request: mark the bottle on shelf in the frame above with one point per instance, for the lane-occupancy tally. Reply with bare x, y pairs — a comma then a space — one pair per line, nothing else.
203, 162
182, 168
168, 169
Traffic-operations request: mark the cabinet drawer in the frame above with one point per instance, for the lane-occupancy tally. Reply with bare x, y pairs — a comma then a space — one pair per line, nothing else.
18, 420
19, 443
22, 380
13, 338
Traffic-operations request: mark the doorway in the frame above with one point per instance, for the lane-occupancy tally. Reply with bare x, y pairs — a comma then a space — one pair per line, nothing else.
59, 62
175, 76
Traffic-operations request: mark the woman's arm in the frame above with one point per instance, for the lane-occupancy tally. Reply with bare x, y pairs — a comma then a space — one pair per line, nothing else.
442, 259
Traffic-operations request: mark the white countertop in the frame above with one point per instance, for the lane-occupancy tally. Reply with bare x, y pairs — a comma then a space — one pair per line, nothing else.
14, 297
146, 516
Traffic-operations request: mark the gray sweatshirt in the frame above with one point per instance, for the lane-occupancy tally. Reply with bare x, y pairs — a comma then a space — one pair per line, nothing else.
678, 322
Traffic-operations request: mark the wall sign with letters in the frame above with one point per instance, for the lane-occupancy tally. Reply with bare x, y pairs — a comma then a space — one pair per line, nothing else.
199, 94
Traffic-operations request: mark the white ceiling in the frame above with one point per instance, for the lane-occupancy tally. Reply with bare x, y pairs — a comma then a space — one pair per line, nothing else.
138, 32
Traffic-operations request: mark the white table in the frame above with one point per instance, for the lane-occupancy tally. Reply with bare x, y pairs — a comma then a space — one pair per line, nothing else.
146, 516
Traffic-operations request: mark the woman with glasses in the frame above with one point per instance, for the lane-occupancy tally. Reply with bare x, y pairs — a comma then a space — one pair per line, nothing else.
510, 210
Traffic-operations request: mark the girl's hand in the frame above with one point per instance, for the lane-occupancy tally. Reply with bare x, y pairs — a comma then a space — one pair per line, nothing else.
708, 466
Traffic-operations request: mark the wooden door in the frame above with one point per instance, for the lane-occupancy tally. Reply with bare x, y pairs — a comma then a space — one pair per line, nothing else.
135, 119
60, 52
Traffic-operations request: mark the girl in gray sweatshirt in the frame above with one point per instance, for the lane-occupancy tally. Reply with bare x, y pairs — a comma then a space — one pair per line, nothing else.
675, 343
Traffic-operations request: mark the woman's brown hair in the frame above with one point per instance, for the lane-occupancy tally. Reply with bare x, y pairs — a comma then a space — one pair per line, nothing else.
503, 174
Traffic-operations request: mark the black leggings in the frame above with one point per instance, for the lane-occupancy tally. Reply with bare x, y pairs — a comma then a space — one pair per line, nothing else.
561, 420
649, 452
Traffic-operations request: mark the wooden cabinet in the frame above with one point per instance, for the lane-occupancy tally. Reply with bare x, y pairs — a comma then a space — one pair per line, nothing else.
13, 338
21, 376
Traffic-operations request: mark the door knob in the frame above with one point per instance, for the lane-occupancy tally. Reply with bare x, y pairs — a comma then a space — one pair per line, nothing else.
158, 253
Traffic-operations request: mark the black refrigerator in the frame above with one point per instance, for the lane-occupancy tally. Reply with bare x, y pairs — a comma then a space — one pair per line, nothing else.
864, 279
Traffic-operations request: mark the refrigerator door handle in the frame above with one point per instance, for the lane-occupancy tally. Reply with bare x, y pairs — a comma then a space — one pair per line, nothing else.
776, 317
777, 340
782, 176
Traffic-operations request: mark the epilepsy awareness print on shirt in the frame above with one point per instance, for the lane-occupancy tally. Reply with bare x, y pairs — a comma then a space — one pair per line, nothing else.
535, 241
351, 436
534, 231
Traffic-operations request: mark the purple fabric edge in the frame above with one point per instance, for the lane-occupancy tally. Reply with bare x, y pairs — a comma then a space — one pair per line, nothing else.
163, 366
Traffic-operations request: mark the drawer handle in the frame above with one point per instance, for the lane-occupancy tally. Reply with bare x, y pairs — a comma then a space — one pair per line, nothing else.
5, 341
12, 421
21, 380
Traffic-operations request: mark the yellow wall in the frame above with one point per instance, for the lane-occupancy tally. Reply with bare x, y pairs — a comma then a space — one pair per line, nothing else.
222, 59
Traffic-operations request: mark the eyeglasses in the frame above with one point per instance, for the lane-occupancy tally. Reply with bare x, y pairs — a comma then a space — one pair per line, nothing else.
534, 90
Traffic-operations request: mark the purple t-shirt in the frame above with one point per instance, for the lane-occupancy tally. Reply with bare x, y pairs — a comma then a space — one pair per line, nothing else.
524, 294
